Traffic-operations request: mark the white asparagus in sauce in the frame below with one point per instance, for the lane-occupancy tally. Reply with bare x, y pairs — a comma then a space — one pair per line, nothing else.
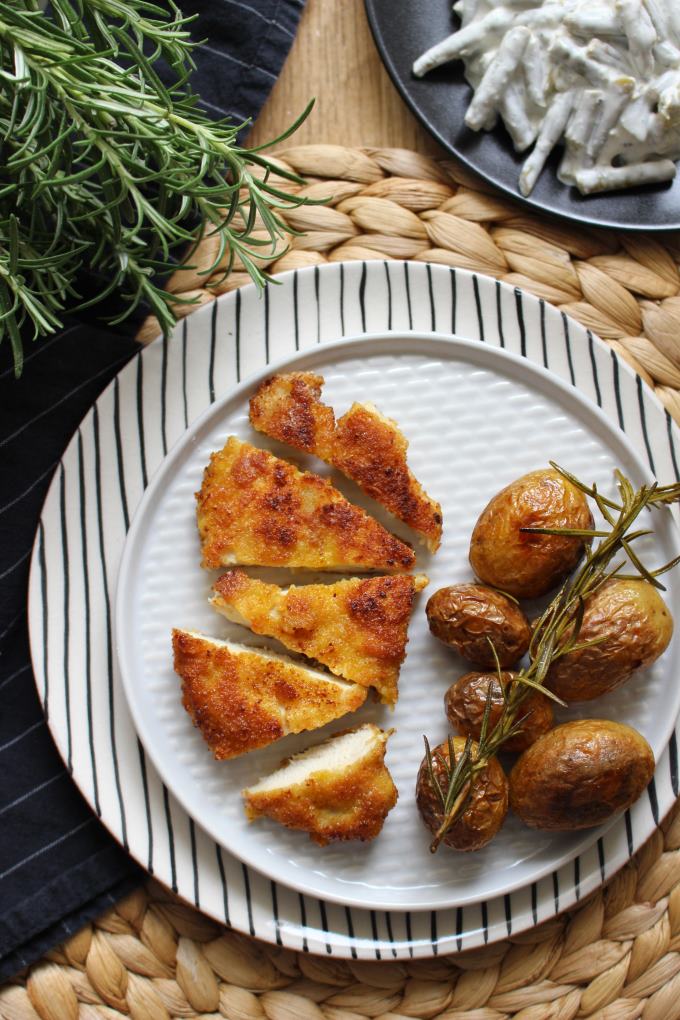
600, 77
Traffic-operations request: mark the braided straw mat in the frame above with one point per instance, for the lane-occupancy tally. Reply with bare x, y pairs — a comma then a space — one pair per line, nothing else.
617, 957
396, 204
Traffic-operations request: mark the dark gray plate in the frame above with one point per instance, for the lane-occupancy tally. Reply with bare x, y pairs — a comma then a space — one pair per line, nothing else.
403, 29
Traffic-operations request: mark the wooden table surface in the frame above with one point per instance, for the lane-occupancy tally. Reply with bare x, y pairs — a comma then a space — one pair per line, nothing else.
334, 59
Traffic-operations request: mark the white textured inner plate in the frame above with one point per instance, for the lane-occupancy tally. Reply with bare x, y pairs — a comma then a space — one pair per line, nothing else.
476, 418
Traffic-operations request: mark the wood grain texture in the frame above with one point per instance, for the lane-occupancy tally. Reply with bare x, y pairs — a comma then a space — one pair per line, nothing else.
334, 59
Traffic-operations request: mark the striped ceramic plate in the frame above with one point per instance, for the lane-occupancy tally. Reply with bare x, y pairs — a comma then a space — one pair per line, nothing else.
101, 481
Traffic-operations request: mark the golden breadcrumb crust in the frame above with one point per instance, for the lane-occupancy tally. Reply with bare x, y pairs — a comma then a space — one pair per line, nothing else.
357, 628
365, 445
241, 700
254, 508
289, 408
351, 802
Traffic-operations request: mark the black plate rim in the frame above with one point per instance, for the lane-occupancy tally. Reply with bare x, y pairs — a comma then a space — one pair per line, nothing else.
528, 203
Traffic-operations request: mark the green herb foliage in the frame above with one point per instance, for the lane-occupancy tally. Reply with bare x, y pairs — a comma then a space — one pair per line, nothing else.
104, 167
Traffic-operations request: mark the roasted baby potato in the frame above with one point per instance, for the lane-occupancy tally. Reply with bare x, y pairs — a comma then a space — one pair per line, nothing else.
486, 809
632, 625
523, 564
580, 774
465, 703
468, 616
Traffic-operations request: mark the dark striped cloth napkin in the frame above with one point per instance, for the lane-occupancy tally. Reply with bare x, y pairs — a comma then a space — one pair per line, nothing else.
58, 865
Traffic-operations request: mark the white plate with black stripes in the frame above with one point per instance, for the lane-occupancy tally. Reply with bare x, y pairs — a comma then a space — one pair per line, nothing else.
476, 416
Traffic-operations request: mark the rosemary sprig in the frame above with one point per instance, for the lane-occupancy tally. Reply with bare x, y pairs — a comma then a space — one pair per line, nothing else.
555, 634
105, 167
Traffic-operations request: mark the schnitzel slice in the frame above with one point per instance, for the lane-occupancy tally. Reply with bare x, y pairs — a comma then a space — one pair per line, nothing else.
254, 508
356, 628
241, 698
338, 790
364, 445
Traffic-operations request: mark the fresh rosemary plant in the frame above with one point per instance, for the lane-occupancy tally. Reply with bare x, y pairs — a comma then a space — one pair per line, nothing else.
105, 168
555, 634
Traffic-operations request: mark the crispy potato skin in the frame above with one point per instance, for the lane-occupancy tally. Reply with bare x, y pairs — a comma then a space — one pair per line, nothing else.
254, 508
580, 774
634, 626
364, 445
467, 616
465, 704
526, 565
357, 628
241, 702
485, 812
347, 804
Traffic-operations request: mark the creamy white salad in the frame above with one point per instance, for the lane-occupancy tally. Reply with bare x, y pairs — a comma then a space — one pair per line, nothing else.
599, 77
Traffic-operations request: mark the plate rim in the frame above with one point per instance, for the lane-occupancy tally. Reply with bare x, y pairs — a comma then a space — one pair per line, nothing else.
526, 201
305, 360
373, 937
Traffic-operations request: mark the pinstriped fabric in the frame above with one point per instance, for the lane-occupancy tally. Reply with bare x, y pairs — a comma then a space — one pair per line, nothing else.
236, 69
132, 426
67, 858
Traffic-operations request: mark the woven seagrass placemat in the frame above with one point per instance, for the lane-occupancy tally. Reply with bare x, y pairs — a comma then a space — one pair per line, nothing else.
617, 957
397, 204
